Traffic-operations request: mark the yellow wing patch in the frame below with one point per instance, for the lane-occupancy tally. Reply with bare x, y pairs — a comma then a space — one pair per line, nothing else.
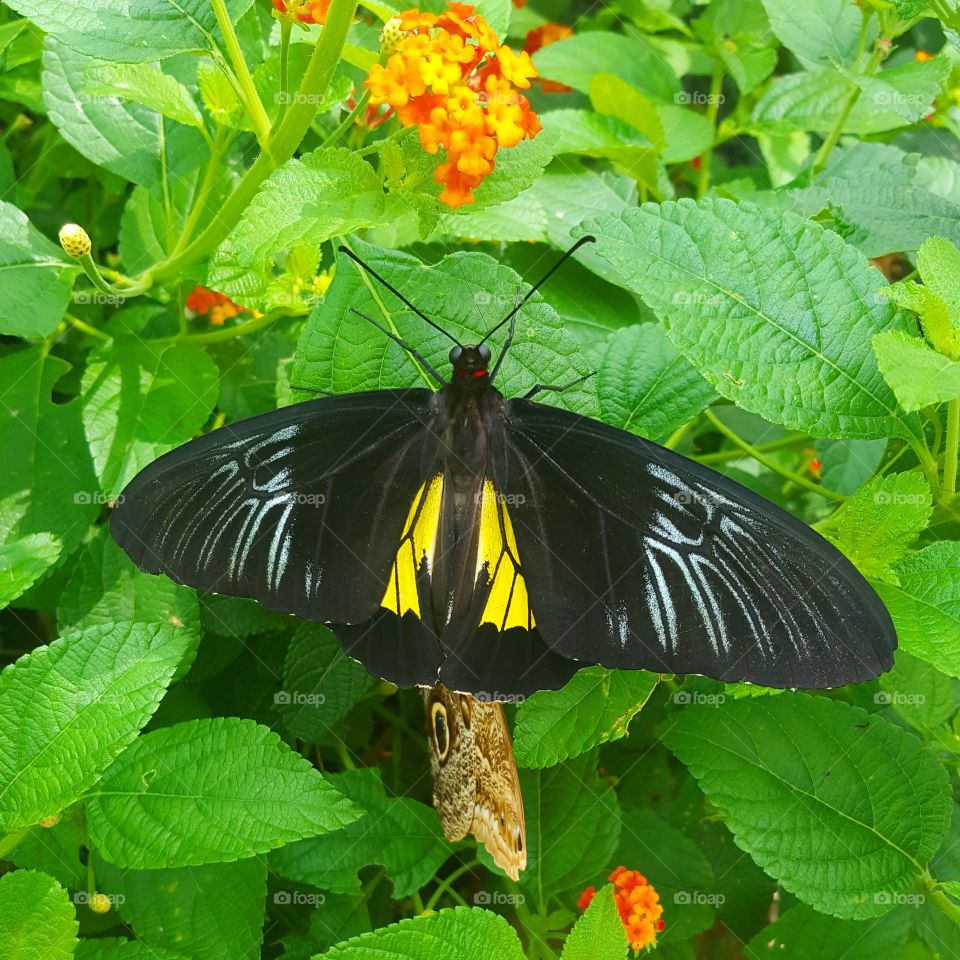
508, 604
418, 542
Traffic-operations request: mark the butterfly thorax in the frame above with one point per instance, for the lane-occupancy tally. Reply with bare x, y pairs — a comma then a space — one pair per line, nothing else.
469, 409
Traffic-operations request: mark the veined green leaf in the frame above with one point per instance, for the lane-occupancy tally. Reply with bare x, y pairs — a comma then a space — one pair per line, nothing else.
464, 933
845, 811
70, 708
716, 272
917, 374
599, 934
596, 706
165, 801
37, 919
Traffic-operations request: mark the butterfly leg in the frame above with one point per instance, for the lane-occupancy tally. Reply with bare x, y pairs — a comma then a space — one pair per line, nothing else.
540, 387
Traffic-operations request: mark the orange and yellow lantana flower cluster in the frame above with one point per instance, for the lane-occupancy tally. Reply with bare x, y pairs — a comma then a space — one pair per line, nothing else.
638, 904
449, 76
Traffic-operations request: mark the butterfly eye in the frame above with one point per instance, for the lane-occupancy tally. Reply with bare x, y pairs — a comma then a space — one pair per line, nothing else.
441, 735
484, 352
455, 354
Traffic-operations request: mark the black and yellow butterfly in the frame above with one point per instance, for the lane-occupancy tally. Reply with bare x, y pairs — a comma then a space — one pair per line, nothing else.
497, 545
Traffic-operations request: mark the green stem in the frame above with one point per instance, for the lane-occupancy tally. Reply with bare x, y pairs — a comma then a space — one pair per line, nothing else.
206, 186
674, 439
953, 447
723, 455
285, 27
836, 131
316, 79
937, 897
229, 333
826, 148
760, 457
451, 878
349, 120
85, 327
713, 107
252, 103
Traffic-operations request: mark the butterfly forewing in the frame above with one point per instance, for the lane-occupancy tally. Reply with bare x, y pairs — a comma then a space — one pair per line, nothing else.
635, 557
301, 509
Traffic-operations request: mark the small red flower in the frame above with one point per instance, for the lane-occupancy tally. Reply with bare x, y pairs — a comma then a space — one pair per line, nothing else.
218, 306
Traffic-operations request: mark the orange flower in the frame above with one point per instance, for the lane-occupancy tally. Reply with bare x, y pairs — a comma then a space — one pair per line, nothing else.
449, 76
202, 301
923, 56
306, 11
543, 36
637, 903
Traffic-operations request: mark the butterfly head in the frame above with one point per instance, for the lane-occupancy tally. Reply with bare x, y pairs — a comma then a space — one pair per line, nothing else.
470, 361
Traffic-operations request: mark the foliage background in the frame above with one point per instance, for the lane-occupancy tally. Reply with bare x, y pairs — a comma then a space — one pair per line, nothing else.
220, 778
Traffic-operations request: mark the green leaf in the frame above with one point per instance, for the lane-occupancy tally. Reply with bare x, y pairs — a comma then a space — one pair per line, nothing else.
465, 933
327, 193
576, 60
688, 134
517, 168
401, 834
925, 605
338, 917
821, 32
846, 465
804, 934
573, 826
37, 919
68, 709
738, 34
146, 83
938, 261
599, 934
716, 272
614, 97
840, 806
595, 707
921, 694
812, 101
165, 801
209, 912
320, 684
678, 871
595, 135
882, 520
55, 850
644, 384
49, 486
867, 187
37, 277
106, 588
114, 948
147, 31
917, 374
24, 562
142, 399
466, 294
125, 138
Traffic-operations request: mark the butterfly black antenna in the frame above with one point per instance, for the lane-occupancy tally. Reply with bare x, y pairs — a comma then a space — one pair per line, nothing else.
416, 354
563, 259
397, 294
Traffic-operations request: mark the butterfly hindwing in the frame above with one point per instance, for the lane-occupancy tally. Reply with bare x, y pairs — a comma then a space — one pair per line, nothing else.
476, 789
635, 557
300, 509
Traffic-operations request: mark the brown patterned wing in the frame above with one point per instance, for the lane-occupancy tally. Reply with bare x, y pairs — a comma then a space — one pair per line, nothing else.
476, 789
